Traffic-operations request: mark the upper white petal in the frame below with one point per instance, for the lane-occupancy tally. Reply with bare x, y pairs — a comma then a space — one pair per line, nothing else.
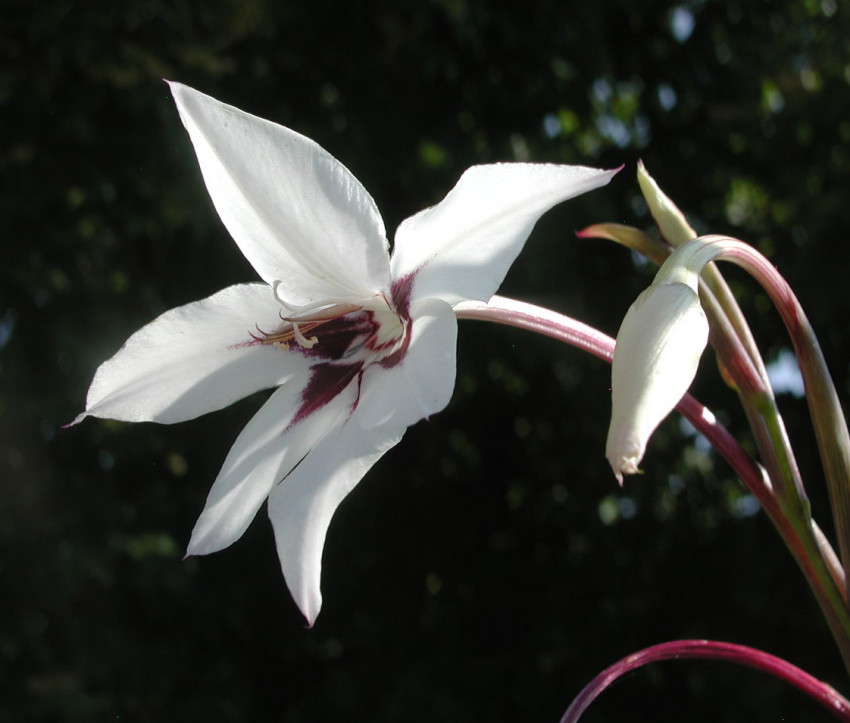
301, 507
462, 247
423, 382
265, 452
193, 359
299, 216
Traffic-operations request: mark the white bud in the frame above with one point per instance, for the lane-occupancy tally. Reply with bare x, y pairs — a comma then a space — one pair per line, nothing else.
658, 349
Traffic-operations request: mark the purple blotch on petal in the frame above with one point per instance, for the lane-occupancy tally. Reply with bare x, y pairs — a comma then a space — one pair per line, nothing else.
400, 294
326, 382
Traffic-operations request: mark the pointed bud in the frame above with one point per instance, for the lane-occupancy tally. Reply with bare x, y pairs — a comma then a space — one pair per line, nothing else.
672, 224
658, 349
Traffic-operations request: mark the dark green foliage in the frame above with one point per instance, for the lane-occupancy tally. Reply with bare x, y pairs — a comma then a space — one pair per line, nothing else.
489, 566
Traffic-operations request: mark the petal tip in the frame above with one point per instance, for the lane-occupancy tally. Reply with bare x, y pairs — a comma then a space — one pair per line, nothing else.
75, 421
200, 545
310, 610
625, 466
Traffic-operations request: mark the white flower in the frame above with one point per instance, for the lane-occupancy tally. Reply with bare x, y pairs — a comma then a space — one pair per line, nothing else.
359, 344
656, 357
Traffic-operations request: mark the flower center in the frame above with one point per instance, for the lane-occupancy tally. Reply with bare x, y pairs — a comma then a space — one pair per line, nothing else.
351, 333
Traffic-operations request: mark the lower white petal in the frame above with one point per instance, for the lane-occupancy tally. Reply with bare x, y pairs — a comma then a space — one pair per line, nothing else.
301, 507
193, 359
267, 450
422, 383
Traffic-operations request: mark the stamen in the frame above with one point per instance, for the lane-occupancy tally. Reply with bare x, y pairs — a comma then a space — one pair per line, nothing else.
303, 340
327, 313
373, 330
263, 337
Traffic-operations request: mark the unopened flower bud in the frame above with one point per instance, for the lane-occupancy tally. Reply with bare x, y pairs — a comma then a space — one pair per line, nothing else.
658, 349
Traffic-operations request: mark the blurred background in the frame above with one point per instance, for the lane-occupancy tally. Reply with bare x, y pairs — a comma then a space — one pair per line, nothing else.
489, 566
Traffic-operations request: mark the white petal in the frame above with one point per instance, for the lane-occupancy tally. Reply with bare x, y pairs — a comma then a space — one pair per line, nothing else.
193, 359
264, 453
423, 382
656, 357
300, 217
301, 507
462, 247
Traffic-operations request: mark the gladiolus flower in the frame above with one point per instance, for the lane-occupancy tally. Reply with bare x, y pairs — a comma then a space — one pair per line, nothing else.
359, 344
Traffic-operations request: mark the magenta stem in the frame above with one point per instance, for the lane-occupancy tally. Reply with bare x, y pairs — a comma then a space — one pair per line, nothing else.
825, 585
821, 692
535, 318
827, 415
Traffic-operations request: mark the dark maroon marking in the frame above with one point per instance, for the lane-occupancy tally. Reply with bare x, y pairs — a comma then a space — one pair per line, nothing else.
337, 335
400, 294
325, 383
395, 358
359, 389
254, 341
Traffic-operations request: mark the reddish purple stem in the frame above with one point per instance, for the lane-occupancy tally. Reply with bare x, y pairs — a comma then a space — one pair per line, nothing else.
582, 336
543, 321
535, 318
823, 693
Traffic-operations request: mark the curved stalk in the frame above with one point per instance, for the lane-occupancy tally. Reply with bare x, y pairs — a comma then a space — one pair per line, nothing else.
805, 541
738, 358
816, 689
824, 406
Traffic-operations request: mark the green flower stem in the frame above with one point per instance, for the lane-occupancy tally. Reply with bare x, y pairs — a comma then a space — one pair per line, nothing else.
726, 300
832, 562
759, 404
803, 538
825, 409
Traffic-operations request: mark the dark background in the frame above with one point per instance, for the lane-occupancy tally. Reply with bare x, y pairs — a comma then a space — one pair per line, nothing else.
488, 566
